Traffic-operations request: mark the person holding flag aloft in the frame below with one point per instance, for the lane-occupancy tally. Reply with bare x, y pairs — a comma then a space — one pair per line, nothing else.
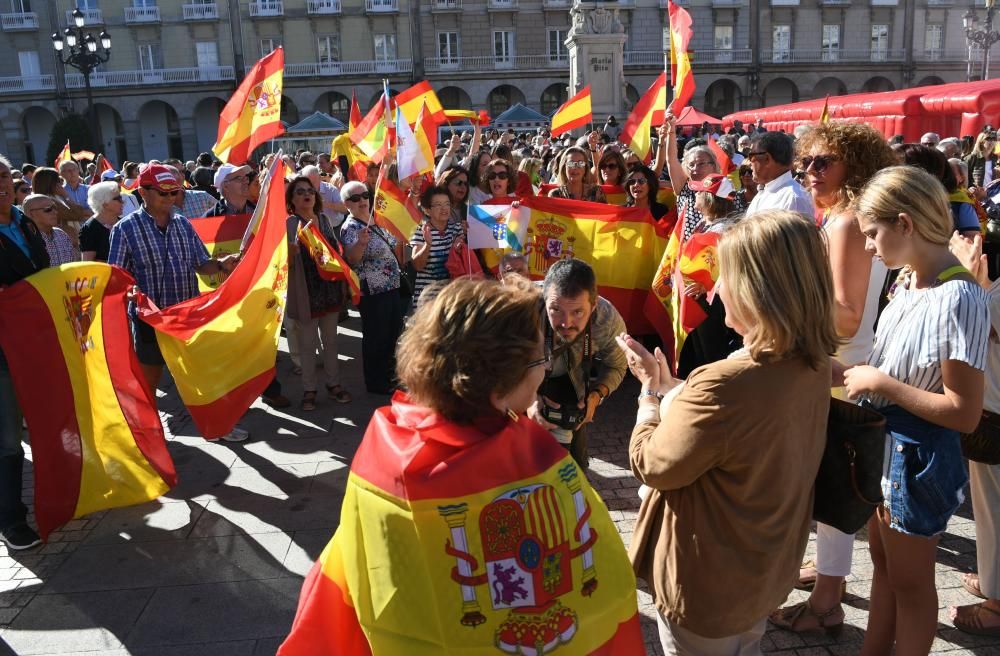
698, 163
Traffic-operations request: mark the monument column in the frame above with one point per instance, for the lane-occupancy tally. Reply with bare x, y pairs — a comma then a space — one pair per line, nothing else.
596, 46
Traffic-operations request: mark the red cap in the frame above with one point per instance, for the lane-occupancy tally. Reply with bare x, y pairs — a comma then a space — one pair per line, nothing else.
710, 183
158, 177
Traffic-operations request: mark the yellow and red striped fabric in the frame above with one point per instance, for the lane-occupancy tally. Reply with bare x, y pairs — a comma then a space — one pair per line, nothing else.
574, 113
615, 194
96, 437
253, 114
222, 236
410, 100
393, 209
371, 135
681, 74
726, 166
647, 114
496, 544
329, 263
63, 156
220, 346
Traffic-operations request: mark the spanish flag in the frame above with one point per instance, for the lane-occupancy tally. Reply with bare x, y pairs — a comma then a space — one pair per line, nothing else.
220, 347
481, 117
824, 116
222, 236
394, 210
647, 114
726, 166
63, 156
102, 165
329, 263
681, 74
371, 135
355, 118
253, 115
96, 437
574, 113
467, 539
411, 100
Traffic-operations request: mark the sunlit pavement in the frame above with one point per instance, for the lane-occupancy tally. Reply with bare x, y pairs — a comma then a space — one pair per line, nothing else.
214, 568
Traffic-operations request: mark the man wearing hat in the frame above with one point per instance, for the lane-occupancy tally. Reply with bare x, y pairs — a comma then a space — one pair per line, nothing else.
233, 182
163, 252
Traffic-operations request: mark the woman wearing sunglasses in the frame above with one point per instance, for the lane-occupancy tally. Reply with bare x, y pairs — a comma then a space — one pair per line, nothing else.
21, 190
497, 183
455, 180
105, 200
699, 162
839, 159
46, 181
641, 187
982, 160
611, 168
748, 188
313, 302
574, 178
371, 252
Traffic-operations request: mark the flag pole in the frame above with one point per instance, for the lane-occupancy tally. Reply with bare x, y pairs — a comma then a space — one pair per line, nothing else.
258, 212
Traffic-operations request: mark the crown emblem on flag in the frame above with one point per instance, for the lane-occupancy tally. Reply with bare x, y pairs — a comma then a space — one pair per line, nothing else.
265, 96
79, 310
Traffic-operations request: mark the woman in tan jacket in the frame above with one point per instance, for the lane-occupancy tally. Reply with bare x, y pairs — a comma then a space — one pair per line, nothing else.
731, 454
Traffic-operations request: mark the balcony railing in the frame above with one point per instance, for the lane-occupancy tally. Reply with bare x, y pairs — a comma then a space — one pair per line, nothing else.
728, 3
25, 20
885, 3
819, 55
324, 69
835, 3
90, 17
502, 5
324, 6
142, 14
718, 56
954, 55
381, 6
556, 4
198, 12
21, 84
154, 76
484, 64
446, 5
264, 8
940, 3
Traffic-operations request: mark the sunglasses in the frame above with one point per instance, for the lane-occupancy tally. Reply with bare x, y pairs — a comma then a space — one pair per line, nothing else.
819, 163
576, 165
609, 165
460, 183
751, 156
502, 175
539, 362
239, 178
163, 194
305, 191
356, 198
642, 182
50, 208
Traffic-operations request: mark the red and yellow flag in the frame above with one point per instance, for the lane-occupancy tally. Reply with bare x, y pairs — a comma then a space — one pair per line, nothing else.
222, 236
681, 74
63, 156
371, 135
410, 101
220, 346
574, 113
253, 114
102, 165
355, 118
481, 117
647, 114
615, 194
824, 116
394, 210
726, 166
329, 263
498, 544
96, 437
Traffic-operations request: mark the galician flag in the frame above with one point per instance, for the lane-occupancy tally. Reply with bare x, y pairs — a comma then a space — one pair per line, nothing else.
497, 226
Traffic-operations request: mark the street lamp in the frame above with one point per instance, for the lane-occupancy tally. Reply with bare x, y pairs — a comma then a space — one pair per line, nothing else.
984, 38
82, 52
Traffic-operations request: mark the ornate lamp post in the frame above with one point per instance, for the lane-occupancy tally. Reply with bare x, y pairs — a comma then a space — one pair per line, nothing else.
85, 54
984, 38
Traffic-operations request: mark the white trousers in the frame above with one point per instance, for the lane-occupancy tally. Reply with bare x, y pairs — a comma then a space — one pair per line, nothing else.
984, 485
309, 334
677, 641
834, 551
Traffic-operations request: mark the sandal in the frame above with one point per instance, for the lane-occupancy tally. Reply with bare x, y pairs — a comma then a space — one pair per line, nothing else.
801, 617
309, 400
338, 394
807, 581
970, 581
972, 621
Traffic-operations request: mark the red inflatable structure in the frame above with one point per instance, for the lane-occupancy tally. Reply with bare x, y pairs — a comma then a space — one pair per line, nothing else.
952, 110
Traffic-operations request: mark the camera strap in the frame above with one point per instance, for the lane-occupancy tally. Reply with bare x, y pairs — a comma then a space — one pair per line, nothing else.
588, 351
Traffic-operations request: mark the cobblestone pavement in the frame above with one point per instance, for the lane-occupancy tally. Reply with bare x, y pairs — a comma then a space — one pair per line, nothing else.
215, 566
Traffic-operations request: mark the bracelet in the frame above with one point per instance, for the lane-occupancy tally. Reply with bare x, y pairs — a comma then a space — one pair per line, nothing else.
643, 394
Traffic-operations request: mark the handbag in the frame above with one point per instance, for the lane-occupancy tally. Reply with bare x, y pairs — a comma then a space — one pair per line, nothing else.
849, 480
407, 272
983, 444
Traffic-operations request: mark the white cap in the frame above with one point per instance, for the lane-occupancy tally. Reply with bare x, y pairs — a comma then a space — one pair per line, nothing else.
227, 170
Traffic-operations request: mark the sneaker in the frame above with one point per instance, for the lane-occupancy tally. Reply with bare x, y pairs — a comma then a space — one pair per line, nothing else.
20, 537
236, 435
276, 401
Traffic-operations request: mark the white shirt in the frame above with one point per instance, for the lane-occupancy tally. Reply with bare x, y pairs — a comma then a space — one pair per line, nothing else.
783, 193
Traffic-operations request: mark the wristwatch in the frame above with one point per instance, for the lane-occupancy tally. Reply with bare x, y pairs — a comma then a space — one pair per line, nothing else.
643, 394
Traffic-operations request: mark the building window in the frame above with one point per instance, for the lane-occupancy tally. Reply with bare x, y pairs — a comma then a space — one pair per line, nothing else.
208, 54
143, 4
447, 49
880, 42
934, 41
723, 43
385, 47
20, 6
150, 57
557, 47
831, 42
268, 45
503, 48
31, 70
86, 4
781, 43
328, 49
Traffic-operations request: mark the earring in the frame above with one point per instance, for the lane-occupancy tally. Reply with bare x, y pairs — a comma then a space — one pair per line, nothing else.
513, 415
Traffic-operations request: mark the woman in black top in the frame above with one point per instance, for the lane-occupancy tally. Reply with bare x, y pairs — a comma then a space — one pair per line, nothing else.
105, 200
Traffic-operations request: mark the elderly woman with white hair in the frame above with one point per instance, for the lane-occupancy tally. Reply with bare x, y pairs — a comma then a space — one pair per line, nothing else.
105, 200
699, 162
372, 252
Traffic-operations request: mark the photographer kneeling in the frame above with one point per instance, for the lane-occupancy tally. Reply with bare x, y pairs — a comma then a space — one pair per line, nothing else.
584, 363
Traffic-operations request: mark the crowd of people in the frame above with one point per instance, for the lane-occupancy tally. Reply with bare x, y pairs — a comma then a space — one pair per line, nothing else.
849, 265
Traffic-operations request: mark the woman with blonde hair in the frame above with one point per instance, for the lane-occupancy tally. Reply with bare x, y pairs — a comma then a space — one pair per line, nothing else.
926, 376
839, 158
982, 160
725, 512
574, 179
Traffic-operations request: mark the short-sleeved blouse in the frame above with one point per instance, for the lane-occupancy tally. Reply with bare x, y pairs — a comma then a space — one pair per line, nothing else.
687, 211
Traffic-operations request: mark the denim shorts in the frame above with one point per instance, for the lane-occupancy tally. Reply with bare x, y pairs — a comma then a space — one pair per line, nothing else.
924, 473
147, 349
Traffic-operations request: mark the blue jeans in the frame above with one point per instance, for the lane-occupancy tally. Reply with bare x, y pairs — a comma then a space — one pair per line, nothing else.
925, 474
12, 510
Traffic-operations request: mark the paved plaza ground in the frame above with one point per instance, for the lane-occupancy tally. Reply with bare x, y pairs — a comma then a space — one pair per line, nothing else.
214, 568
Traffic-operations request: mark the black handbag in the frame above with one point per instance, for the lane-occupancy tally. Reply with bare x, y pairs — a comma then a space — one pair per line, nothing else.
983, 444
849, 481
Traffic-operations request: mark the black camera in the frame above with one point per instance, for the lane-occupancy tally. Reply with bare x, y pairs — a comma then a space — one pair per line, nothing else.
568, 417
